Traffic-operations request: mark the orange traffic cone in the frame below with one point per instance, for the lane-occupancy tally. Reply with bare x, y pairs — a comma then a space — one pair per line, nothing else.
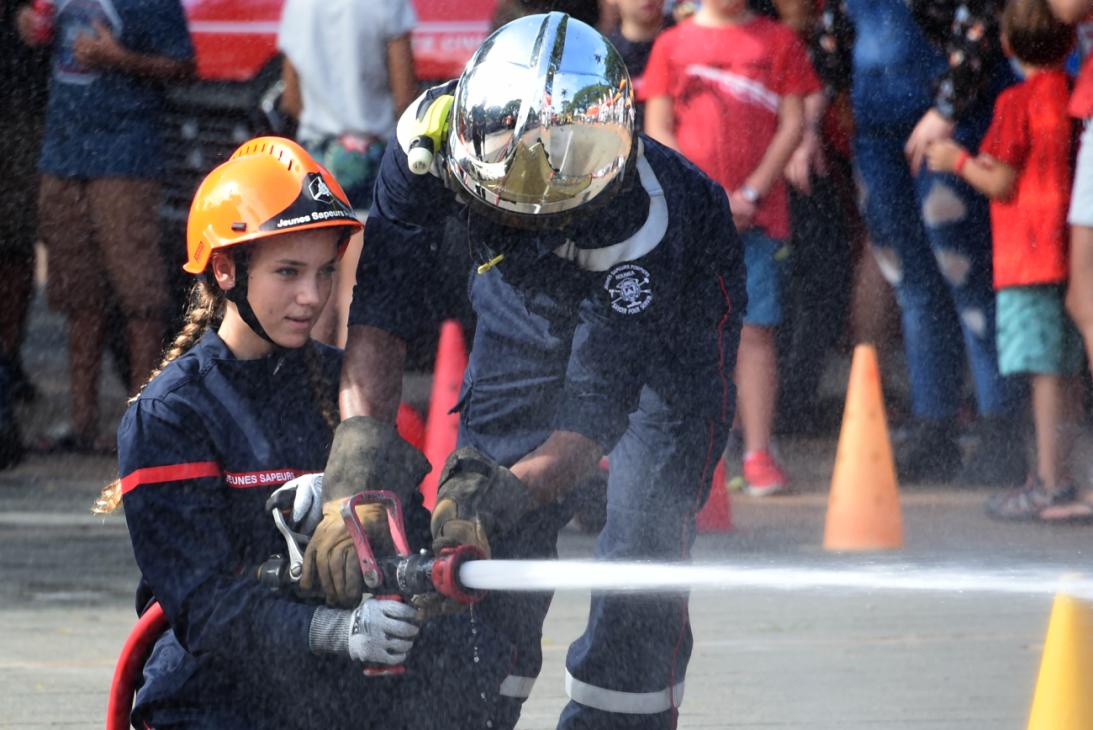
442, 426
716, 514
863, 511
1064, 691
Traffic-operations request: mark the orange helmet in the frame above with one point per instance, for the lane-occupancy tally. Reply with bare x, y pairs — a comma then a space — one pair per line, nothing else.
269, 185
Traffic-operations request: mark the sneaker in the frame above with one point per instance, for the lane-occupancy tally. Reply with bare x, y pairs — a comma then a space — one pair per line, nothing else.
1027, 502
928, 452
762, 475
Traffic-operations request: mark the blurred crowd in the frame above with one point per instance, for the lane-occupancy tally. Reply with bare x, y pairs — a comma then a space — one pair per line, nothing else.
911, 172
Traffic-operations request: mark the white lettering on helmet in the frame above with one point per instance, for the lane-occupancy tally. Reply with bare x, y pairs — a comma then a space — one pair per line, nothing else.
297, 221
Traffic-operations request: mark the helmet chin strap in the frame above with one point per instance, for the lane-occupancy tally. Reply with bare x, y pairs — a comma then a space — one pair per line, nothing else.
238, 296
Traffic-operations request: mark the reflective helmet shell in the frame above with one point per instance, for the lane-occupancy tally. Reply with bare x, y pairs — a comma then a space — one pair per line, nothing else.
543, 120
270, 185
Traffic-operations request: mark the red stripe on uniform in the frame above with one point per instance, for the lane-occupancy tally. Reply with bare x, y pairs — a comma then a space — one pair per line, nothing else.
706, 476
725, 400
169, 473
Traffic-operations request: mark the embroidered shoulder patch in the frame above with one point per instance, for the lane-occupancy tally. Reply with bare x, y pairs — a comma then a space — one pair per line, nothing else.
630, 288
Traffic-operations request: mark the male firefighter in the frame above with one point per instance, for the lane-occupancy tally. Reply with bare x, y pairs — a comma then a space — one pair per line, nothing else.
608, 283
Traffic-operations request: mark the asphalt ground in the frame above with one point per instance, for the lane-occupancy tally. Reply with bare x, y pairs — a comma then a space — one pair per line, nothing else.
817, 659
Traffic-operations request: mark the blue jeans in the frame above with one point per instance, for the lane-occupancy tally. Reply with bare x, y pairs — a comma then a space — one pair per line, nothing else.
930, 232
931, 237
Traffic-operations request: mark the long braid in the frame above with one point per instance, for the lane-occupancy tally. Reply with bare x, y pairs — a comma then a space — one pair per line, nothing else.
205, 308
320, 386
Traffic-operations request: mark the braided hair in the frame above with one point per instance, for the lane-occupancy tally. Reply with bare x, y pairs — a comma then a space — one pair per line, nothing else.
204, 310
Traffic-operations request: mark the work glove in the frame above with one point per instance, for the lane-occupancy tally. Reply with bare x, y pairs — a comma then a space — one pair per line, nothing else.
337, 576
477, 499
434, 605
307, 501
377, 631
367, 454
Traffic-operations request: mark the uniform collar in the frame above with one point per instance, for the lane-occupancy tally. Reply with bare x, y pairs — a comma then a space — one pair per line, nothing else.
212, 350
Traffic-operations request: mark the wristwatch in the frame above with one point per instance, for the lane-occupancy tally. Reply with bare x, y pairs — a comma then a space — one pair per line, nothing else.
749, 194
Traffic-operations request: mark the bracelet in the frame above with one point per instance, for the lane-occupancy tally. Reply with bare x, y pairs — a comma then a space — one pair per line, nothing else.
961, 160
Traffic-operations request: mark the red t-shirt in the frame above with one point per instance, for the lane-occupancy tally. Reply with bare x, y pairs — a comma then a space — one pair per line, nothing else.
726, 84
1031, 133
1081, 102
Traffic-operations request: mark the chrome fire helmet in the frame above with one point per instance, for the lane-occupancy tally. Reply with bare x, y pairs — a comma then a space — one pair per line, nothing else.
543, 119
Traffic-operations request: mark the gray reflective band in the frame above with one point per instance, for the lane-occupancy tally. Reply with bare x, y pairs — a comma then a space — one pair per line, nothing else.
623, 703
517, 686
642, 242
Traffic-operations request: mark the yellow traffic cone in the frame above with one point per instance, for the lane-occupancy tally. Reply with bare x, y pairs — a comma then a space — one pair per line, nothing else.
1064, 691
863, 511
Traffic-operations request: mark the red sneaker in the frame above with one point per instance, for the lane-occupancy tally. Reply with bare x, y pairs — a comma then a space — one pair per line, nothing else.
762, 475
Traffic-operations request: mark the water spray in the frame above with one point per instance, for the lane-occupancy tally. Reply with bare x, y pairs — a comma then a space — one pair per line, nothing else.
553, 575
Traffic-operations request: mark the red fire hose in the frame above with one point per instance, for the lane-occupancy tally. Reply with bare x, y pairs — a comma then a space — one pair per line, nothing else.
150, 626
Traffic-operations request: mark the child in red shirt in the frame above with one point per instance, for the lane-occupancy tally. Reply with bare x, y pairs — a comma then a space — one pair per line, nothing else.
726, 89
1079, 295
1024, 167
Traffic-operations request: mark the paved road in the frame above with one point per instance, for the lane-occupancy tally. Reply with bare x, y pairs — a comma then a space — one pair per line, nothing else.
812, 659
817, 660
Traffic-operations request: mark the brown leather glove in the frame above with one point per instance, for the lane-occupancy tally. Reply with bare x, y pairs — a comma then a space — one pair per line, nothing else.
434, 605
367, 454
338, 575
476, 499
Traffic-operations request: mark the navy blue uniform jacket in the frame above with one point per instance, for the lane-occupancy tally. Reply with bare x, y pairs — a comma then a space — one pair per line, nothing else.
199, 452
647, 290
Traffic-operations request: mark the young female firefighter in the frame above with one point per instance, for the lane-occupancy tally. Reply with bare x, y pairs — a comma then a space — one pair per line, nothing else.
244, 402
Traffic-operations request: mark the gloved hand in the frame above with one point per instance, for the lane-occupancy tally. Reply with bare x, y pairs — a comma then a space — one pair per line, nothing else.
377, 631
476, 499
432, 605
338, 576
307, 501
367, 454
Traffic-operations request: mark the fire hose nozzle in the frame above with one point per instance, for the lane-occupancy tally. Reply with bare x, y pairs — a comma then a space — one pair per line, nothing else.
445, 574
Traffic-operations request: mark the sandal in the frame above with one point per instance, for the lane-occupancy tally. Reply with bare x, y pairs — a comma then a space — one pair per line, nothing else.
1028, 502
1076, 512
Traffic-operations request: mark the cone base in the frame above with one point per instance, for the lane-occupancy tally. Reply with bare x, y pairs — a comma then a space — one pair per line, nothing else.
861, 547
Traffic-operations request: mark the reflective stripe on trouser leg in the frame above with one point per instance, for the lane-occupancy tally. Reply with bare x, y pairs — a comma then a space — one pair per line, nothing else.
633, 655
517, 687
519, 616
625, 703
